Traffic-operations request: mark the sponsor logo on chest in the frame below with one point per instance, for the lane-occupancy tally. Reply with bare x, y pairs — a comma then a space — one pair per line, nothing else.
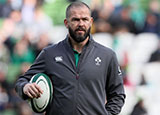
58, 58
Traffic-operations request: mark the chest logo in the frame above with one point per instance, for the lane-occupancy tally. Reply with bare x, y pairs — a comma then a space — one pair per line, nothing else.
98, 61
58, 58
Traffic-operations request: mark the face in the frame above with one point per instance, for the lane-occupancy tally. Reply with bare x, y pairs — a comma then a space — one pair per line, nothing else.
79, 23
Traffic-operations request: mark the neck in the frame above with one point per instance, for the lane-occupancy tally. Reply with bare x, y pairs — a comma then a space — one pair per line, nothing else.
78, 46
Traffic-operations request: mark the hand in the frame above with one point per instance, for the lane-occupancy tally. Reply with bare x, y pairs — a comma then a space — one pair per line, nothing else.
32, 90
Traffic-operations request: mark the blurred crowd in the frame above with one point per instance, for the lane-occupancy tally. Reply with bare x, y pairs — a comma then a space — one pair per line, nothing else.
131, 28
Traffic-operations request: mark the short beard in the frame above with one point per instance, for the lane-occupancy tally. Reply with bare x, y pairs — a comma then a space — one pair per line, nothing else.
78, 38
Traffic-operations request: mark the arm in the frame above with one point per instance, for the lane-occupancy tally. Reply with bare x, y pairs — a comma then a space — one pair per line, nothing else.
114, 88
37, 67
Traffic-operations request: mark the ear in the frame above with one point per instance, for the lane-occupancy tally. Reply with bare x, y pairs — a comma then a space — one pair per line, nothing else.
92, 20
66, 23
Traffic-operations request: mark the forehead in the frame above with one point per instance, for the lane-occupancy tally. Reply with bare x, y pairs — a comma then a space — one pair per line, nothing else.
79, 12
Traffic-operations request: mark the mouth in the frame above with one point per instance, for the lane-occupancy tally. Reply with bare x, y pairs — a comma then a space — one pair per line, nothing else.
80, 30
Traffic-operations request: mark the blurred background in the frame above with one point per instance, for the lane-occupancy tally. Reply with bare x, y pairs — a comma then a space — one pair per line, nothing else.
130, 27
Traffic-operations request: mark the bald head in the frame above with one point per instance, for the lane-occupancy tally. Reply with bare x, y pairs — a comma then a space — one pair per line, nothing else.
76, 5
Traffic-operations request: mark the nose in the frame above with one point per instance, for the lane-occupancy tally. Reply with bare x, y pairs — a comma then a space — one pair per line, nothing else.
81, 23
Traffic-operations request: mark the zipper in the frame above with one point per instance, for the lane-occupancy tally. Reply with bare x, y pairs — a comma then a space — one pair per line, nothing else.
77, 76
76, 93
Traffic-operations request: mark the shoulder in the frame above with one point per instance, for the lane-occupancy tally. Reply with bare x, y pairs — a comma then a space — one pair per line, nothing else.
103, 49
53, 47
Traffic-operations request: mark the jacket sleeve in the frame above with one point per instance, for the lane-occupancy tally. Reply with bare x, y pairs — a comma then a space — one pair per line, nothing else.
37, 67
114, 88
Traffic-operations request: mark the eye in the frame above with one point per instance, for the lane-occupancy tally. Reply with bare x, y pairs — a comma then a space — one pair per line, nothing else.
75, 19
85, 19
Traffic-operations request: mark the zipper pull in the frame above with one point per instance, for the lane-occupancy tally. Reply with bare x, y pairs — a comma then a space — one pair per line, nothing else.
77, 76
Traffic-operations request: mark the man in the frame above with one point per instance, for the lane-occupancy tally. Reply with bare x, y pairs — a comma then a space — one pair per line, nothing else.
85, 75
